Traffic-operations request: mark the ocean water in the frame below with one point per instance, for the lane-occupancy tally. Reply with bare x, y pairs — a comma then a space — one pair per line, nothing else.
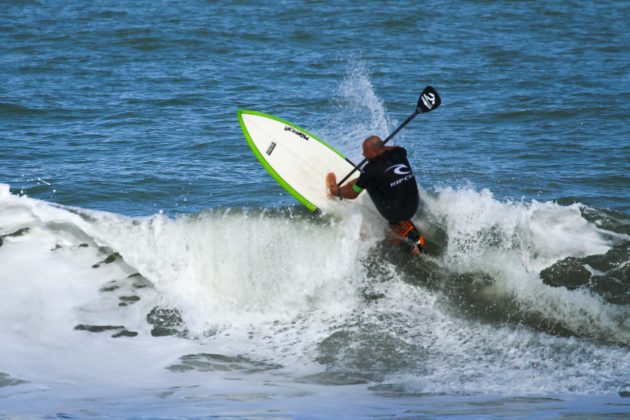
149, 267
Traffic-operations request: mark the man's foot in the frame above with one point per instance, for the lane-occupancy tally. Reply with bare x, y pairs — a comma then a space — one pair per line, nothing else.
415, 251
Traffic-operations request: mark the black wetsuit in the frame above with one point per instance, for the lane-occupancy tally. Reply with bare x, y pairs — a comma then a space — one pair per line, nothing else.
391, 184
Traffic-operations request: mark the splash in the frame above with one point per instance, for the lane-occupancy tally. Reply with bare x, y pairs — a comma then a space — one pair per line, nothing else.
360, 112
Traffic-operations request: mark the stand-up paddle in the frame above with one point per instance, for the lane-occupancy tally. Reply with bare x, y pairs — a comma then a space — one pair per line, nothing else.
428, 101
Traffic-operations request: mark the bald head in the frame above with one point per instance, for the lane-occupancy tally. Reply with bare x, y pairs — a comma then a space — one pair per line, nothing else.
372, 147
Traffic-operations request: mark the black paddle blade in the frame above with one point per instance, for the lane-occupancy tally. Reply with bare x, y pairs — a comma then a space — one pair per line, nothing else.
429, 100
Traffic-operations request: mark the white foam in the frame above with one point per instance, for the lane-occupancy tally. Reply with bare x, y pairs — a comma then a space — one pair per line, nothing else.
513, 242
538, 233
47, 291
4, 190
274, 287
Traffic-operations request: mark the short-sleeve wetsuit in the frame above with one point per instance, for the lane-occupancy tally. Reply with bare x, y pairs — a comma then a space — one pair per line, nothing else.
391, 184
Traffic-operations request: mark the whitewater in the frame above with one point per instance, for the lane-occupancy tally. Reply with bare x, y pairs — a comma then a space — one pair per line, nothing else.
235, 305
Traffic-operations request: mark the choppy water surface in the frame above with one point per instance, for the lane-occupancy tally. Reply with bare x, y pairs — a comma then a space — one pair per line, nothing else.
149, 266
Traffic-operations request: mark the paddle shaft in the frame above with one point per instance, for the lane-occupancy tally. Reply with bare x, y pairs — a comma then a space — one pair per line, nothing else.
360, 165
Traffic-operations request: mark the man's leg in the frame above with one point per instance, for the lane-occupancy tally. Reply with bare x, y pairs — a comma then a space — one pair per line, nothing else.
407, 235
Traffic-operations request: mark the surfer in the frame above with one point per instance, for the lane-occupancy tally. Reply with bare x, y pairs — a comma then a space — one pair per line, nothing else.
391, 184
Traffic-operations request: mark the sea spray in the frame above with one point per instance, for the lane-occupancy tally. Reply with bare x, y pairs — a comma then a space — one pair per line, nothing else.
359, 112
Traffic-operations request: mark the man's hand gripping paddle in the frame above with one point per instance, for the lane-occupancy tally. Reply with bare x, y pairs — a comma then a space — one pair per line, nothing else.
428, 101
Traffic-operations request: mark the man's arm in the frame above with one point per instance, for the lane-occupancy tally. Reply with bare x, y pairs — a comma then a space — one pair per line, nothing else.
347, 190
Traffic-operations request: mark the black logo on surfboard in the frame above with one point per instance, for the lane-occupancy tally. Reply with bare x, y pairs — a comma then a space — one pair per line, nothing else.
299, 133
270, 148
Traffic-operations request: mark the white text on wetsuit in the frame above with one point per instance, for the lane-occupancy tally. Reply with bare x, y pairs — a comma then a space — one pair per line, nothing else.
401, 180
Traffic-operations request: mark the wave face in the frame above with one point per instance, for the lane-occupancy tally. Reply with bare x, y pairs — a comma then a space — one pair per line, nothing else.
514, 298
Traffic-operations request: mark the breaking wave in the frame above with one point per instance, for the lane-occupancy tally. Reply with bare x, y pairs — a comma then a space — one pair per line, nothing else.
510, 285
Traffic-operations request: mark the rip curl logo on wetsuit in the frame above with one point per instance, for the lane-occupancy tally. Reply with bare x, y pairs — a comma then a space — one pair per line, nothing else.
399, 169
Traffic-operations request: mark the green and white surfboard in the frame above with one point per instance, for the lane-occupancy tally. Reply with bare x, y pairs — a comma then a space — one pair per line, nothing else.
297, 159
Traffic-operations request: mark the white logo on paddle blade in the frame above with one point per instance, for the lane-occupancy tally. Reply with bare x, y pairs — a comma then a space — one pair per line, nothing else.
399, 169
428, 99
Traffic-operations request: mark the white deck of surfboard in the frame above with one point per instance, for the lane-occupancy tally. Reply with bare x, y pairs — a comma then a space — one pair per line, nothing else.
301, 160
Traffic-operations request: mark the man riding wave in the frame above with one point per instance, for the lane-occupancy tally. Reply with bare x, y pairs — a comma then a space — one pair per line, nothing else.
391, 184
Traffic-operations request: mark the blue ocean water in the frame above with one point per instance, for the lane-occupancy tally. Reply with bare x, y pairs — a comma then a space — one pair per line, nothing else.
535, 96
120, 149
